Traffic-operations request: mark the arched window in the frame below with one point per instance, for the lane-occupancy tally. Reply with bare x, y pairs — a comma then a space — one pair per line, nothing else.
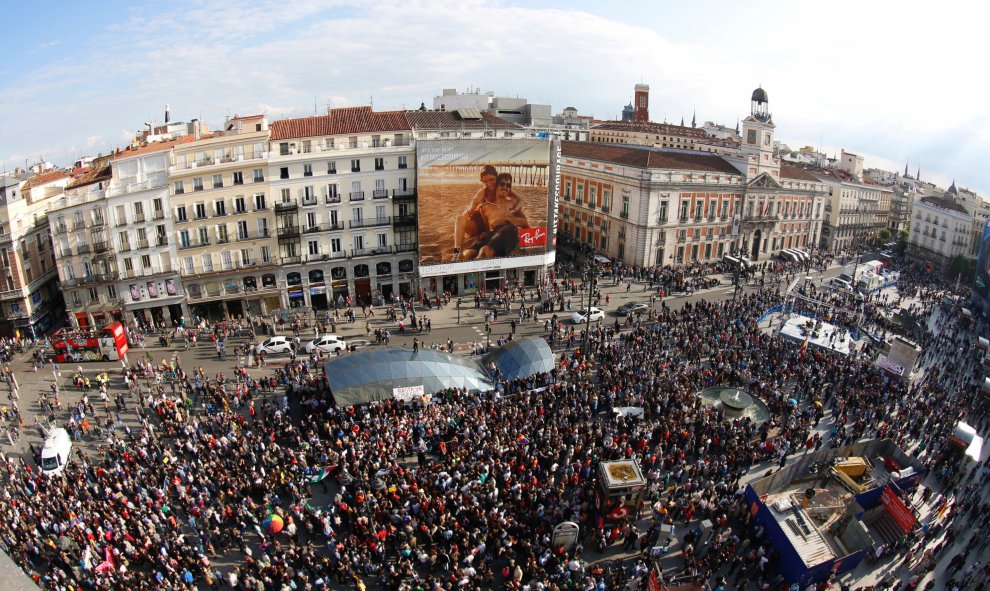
361, 270
268, 280
250, 284
293, 279
338, 273
405, 266
316, 276
383, 269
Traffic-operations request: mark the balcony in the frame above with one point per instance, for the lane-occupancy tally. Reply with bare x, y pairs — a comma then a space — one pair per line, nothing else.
139, 218
97, 223
225, 159
61, 229
83, 248
379, 194
404, 220
605, 208
370, 223
123, 222
406, 247
356, 195
98, 278
153, 181
308, 201
161, 240
220, 213
361, 252
286, 206
291, 260
624, 215
381, 250
143, 243
100, 247
125, 247
288, 232
332, 199
404, 194
77, 226
11, 294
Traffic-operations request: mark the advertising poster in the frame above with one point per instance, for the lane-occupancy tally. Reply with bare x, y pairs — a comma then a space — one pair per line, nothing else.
486, 204
981, 284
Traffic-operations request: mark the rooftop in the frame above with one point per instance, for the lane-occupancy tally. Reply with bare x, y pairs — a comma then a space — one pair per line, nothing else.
453, 120
797, 173
152, 147
654, 128
642, 157
44, 178
94, 174
340, 121
945, 204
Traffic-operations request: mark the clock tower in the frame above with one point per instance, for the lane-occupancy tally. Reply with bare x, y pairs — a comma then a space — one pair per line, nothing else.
757, 138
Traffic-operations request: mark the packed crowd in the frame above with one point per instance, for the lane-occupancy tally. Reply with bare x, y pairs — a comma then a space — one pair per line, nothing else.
461, 491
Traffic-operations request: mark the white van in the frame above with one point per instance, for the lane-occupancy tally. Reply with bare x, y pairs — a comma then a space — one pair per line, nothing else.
788, 256
55, 453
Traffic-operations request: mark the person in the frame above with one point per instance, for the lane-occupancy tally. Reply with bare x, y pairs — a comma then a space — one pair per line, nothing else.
470, 224
504, 217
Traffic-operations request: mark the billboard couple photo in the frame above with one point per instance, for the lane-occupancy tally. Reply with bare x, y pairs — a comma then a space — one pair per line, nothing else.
483, 200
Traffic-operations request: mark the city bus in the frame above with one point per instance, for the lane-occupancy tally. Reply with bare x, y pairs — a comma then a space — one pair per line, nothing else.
106, 344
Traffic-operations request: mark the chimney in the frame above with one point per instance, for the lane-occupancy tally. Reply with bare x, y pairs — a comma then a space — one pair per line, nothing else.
167, 117
196, 129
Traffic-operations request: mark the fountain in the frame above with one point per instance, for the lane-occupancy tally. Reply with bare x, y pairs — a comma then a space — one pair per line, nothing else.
736, 403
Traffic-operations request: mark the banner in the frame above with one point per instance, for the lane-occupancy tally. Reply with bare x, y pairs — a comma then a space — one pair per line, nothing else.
407, 393
897, 509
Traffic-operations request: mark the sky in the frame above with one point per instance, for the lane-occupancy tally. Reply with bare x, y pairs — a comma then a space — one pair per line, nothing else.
893, 81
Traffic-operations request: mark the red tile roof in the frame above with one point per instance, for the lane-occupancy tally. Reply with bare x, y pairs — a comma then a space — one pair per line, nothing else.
153, 147
451, 120
340, 121
648, 157
794, 172
43, 179
90, 176
654, 128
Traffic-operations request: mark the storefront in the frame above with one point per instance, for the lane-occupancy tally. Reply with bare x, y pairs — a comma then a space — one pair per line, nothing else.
383, 280
338, 286
362, 284
297, 298
317, 290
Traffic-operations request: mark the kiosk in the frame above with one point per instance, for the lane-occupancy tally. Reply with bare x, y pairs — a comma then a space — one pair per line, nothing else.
621, 489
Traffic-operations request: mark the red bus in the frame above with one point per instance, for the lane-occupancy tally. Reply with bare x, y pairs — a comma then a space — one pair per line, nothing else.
106, 344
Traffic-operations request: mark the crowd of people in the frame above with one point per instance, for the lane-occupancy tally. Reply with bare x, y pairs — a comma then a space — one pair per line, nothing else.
462, 491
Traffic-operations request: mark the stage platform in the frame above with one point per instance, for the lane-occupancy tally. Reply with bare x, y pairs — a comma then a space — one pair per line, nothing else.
824, 336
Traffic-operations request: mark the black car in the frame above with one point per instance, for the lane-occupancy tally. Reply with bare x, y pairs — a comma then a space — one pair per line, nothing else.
631, 308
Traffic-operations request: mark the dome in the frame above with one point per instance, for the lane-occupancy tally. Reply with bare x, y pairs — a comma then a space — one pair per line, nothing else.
760, 95
373, 373
522, 358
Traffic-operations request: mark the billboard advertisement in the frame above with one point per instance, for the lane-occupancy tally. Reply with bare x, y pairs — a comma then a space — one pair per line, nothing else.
981, 284
486, 204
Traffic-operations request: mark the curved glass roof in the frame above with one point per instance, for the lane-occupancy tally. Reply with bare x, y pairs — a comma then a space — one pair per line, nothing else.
521, 358
372, 373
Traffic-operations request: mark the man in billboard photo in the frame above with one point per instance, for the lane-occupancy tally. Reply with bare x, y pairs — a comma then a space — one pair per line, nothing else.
470, 224
503, 217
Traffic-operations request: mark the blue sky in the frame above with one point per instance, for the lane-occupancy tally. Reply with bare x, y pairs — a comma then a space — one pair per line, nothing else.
892, 81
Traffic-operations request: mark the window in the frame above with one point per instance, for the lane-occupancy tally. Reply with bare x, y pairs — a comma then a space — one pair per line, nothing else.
376, 141
352, 141
579, 196
178, 188
662, 218
382, 240
187, 264
624, 212
207, 259
359, 243
379, 164
380, 212
335, 245
263, 228
332, 194
139, 211
180, 214
239, 205
283, 172
242, 230
402, 162
226, 261
200, 211
198, 184
711, 209
94, 295
283, 149
331, 167
357, 214
245, 256
217, 181
259, 202
751, 136
219, 208
698, 209
146, 262
309, 195
259, 175
204, 235
124, 240
238, 178
266, 254
184, 239
286, 196
222, 237
307, 170
593, 196
355, 165
313, 246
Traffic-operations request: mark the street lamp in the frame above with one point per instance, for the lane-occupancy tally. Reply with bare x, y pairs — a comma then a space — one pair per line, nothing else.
592, 271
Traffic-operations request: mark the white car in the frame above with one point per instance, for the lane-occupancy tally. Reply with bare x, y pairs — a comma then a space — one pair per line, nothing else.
274, 346
582, 315
327, 343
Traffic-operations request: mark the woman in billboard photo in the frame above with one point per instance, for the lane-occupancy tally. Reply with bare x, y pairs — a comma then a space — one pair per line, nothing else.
469, 225
503, 217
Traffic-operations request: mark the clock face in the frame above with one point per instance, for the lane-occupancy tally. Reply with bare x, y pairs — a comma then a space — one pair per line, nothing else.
751, 136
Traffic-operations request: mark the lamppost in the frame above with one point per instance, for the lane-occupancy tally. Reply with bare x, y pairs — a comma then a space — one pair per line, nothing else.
458, 310
592, 273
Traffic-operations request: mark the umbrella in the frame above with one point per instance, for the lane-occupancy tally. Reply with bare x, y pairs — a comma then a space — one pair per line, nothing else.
272, 524
792, 402
818, 404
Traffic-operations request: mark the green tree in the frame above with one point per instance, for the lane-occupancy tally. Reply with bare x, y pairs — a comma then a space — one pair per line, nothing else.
883, 236
963, 268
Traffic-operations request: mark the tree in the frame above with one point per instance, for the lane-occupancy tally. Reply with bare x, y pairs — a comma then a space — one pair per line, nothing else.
883, 236
963, 268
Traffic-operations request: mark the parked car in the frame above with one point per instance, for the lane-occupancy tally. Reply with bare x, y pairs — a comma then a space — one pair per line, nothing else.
582, 315
327, 343
631, 308
274, 346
